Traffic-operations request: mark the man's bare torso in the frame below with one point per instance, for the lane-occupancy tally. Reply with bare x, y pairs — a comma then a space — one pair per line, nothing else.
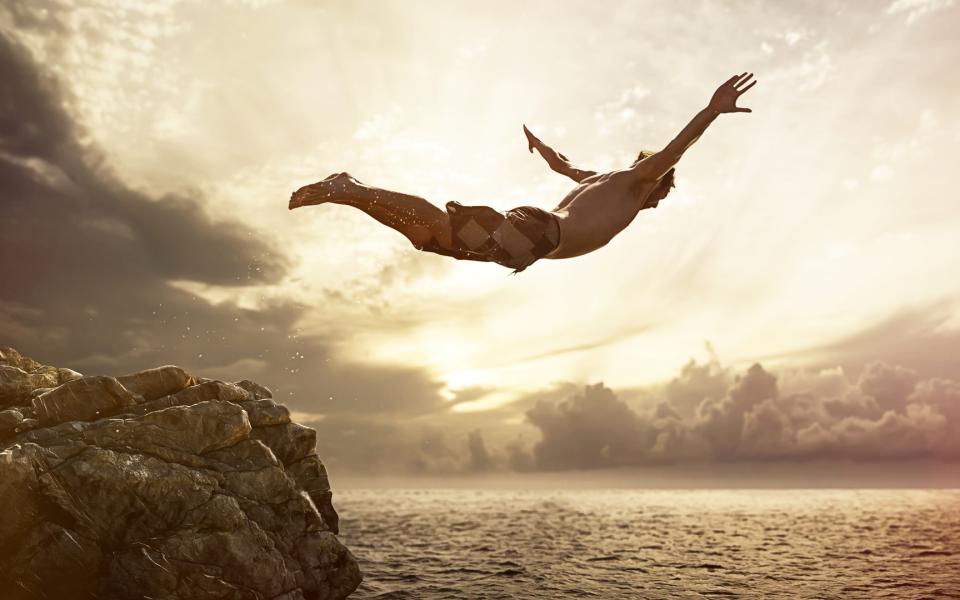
600, 207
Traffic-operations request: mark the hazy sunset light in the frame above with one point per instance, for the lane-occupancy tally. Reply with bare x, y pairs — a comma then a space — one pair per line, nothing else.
815, 236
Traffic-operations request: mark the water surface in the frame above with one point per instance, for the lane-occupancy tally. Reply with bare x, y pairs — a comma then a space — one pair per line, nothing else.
654, 544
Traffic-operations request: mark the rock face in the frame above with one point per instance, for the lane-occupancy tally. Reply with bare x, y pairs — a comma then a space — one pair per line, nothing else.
158, 485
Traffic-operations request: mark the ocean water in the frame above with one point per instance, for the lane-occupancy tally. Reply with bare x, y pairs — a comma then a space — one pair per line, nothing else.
654, 544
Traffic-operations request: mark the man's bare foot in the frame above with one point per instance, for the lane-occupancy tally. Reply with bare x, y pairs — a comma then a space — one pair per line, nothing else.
331, 189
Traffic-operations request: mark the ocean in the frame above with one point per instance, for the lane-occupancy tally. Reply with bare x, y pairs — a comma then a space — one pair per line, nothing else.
477, 544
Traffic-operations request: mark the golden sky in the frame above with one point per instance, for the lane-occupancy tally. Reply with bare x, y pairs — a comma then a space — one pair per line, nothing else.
821, 216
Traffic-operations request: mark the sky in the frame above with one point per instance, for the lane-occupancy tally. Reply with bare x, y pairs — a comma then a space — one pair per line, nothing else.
794, 300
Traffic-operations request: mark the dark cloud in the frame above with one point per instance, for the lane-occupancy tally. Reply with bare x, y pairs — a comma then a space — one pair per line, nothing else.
889, 413
76, 241
84, 229
89, 265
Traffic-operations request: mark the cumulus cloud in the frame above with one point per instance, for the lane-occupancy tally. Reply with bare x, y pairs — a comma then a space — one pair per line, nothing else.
592, 429
706, 413
889, 413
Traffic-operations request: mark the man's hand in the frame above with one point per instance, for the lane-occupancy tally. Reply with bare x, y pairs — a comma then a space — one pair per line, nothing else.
532, 140
724, 100
558, 162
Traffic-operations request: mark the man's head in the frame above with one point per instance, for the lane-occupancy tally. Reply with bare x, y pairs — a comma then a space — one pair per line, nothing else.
666, 182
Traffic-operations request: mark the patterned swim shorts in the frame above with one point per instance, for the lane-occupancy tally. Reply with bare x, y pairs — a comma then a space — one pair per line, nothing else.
515, 239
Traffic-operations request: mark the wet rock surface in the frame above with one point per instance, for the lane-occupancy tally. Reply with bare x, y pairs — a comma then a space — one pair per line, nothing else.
160, 485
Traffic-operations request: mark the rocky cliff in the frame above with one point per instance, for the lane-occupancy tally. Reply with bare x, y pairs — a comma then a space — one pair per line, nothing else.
160, 485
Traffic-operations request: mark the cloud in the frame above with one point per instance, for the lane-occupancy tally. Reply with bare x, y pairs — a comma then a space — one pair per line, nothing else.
371, 445
91, 265
706, 414
591, 430
480, 458
889, 413
436, 443
915, 9
71, 223
918, 337
619, 336
99, 276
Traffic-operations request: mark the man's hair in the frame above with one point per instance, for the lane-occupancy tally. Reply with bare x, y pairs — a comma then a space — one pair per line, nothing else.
666, 182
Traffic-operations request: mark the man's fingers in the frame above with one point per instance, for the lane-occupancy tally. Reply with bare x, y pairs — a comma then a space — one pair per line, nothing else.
741, 109
738, 80
532, 140
752, 83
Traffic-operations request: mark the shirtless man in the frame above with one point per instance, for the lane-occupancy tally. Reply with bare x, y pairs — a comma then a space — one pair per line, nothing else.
596, 210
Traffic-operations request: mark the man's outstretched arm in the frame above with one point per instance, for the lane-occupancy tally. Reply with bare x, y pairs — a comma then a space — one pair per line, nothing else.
556, 161
724, 100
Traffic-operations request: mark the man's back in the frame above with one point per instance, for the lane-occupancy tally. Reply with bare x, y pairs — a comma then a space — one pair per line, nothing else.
600, 207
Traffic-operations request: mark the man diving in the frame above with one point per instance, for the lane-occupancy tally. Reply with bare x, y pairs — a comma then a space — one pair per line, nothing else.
596, 210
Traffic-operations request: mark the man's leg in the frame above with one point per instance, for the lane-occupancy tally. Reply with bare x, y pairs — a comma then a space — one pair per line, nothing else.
412, 216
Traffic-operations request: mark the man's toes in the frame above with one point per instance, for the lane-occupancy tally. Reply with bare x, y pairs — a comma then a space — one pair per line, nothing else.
301, 197
326, 190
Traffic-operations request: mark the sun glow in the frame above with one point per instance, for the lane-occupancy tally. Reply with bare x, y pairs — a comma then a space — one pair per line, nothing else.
788, 226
